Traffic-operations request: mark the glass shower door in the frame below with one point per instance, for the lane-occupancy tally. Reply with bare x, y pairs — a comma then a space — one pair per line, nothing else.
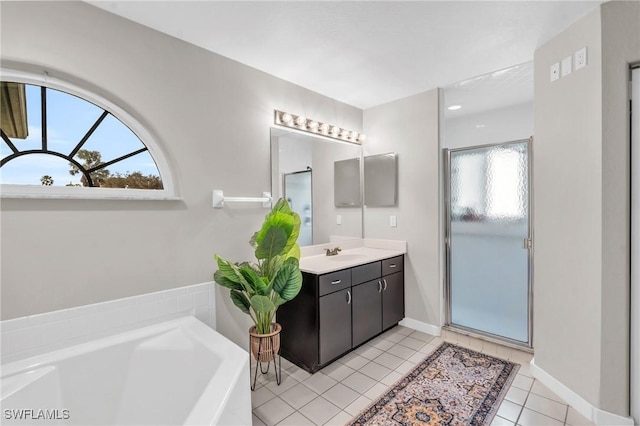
488, 240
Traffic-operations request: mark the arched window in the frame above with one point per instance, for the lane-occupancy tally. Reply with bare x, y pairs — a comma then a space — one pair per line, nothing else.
58, 139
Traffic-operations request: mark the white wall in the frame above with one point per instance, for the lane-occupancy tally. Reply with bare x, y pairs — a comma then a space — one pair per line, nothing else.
211, 117
511, 123
581, 208
409, 127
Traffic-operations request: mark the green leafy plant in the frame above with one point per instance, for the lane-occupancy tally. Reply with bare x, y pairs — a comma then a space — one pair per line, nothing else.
259, 288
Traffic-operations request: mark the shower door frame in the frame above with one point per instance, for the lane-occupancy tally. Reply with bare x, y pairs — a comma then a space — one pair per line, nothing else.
528, 345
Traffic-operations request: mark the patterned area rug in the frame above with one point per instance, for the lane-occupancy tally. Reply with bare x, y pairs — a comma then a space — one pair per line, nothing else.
452, 386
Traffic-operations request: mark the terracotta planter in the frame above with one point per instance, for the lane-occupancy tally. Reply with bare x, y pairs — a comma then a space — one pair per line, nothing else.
265, 347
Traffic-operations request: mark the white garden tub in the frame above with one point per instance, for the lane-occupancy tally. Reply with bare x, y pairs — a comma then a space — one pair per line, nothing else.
176, 372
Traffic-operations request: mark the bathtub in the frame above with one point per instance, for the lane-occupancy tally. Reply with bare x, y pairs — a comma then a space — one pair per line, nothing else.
176, 372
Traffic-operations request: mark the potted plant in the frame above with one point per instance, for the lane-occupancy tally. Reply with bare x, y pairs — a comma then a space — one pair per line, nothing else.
259, 288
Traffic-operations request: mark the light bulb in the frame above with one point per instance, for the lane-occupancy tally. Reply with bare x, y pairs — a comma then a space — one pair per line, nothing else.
313, 126
324, 128
335, 131
354, 136
362, 138
301, 121
286, 118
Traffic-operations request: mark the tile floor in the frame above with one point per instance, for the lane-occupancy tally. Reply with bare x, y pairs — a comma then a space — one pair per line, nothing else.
338, 392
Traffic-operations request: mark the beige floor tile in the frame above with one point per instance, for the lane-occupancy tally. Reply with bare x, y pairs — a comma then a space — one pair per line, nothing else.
516, 395
418, 335
522, 382
296, 419
412, 343
525, 369
340, 419
499, 421
576, 419
403, 330
395, 337
357, 362
391, 378
428, 348
369, 352
405, 367
337, 371
376, 391
375, 371
340, 395
274, 411
286, 364
286, 383
547, 407
260, 396
298, 373
417, 358
401, 351
383, 344
358, 405
390, 361
359, 382
298, 396
540, 389
319, 411
319, 383
509, 410
255, 421
532, 418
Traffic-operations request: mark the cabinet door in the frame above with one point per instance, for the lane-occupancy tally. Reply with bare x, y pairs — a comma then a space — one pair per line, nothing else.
392, 299
335, 324
367, 311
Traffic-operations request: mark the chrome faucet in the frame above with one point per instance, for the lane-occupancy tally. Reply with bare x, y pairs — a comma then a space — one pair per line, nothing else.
333, 251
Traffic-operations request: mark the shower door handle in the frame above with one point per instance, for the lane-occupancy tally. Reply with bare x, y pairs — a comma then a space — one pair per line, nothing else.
526, 244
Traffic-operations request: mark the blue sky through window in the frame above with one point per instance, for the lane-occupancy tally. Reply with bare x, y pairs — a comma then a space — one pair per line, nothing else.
68, 120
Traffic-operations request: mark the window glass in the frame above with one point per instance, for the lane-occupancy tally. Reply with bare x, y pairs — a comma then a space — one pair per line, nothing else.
83, 145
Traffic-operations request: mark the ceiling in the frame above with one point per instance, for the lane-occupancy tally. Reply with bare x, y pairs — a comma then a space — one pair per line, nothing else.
363, 53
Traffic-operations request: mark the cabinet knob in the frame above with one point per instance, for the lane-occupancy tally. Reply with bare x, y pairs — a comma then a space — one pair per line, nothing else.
385, 284
393, 265
348, 297
336, 282
379, 286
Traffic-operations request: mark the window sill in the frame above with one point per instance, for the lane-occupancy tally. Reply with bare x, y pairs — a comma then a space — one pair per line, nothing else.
81, 193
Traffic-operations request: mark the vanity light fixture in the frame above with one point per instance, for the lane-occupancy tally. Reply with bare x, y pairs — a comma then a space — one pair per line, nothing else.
299, 122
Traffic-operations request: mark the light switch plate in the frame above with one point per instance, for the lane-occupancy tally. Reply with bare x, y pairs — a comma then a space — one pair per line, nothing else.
555, 71
581, 58
566, 66
393, 221
338, 219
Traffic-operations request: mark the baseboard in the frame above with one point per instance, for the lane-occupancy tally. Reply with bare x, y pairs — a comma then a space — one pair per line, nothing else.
431, 329
582, 406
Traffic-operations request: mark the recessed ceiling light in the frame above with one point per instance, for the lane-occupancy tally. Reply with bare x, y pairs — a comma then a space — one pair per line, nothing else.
454, 107
479, 126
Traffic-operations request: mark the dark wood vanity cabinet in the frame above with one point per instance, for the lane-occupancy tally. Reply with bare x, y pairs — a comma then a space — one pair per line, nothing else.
337, 312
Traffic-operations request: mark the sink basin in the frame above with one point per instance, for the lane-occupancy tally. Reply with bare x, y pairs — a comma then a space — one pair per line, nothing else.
346, 257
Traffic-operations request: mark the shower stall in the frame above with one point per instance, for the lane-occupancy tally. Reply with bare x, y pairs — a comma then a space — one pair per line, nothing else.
488, 241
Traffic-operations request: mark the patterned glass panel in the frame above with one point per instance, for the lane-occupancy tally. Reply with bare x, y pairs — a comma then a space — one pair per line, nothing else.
489, 223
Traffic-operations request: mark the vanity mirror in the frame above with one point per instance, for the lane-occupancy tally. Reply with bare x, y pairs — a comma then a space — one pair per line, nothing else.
380, 180
303, 170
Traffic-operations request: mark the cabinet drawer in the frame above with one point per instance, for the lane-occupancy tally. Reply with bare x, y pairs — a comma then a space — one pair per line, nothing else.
390, 266
364, 273
334, 281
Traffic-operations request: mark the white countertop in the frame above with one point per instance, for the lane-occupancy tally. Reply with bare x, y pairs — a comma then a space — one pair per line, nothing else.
347, 258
